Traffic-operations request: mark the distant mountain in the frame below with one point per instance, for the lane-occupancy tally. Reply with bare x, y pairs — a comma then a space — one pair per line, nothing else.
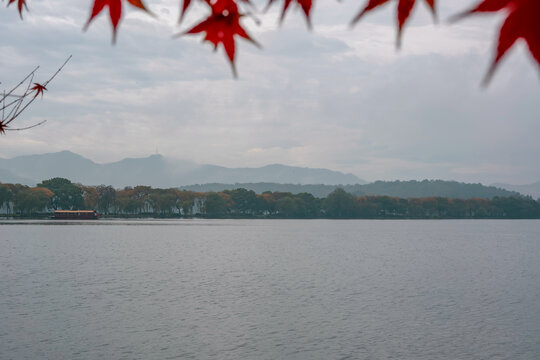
155, 171
271, 173
529, 189
427, 188
36, 168
9, 178
319, 191
401, 189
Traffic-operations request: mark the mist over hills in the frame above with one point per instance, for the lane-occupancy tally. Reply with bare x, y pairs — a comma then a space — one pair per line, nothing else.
155, 171
400, 189
160, 172
532, 190
10, 178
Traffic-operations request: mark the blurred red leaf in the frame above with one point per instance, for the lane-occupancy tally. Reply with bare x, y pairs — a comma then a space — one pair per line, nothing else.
115, 11
187, 3
404, 9
20, 5
185, 6
523, 21
222, 26
305, 5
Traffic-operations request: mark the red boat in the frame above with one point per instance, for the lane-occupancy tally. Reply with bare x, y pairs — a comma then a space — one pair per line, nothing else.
76, 214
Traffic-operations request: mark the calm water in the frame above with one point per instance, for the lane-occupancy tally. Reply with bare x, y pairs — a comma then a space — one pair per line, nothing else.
224, 289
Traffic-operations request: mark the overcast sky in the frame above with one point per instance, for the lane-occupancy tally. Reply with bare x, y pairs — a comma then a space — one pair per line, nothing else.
334, 98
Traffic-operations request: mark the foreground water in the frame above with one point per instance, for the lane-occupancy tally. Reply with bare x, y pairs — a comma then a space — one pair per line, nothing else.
197, 289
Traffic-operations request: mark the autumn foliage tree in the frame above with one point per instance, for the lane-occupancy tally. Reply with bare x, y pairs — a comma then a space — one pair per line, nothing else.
144, 201
33, 200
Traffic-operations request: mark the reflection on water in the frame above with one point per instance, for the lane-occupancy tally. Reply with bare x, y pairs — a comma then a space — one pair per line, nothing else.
250, 289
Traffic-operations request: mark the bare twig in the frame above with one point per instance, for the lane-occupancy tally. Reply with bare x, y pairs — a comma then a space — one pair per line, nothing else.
19, 84
28, 127
13, 105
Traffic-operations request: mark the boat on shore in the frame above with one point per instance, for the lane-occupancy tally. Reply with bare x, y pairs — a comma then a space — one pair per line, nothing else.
75, 215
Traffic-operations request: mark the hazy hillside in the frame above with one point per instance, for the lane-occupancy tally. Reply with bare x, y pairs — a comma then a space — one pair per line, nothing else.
271, 173
40, 167
402, 189
160, 172
9, 178
319, 191
529, 189
426, 188
156, 171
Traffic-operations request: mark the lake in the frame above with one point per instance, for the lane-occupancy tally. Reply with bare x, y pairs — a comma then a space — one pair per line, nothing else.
270, 289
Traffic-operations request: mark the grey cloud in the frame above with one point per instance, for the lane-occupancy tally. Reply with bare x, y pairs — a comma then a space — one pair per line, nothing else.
306, 99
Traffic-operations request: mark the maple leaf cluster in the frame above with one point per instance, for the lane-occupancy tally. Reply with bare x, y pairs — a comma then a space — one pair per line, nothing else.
523, 21
223, 24
404, 9
115, 11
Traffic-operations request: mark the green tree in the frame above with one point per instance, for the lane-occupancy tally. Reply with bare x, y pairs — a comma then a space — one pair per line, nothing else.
163, 201
310, 205
215, 205
290, 207
107, 198
67, 195
339, 204
6, 197
365, 208
245, 202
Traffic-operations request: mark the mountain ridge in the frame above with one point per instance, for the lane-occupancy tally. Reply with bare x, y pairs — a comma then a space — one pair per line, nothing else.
158, 171
398, 189
532, 190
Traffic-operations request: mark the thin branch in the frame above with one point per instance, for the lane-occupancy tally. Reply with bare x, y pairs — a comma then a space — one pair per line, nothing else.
28, 127
19, 84
57, 71
26, 93
13, 102
15, 107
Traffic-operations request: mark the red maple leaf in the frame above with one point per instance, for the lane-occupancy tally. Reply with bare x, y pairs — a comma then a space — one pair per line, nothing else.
222, 26
305, 5
3, 127
39, 89
404, 9
187, 3
20, 5
115, 11
185, 6
523, 21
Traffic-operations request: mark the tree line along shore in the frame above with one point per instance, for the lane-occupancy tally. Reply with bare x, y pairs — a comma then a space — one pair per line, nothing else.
20, 201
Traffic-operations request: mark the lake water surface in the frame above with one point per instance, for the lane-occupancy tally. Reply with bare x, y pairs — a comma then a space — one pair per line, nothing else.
265, 289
